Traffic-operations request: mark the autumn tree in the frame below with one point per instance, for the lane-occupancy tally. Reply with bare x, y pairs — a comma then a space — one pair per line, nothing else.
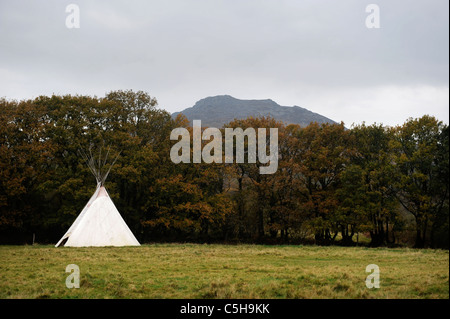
421, 163
376, 200
258, 194
323, 154
330, 180
25, 159
189, 202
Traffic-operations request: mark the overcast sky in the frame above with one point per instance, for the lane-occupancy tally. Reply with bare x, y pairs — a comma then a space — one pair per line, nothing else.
316, 54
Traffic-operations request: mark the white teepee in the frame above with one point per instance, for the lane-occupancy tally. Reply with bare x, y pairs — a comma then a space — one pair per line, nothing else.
99, 223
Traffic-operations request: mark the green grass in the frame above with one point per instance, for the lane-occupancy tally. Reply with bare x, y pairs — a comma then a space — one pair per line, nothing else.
221, 271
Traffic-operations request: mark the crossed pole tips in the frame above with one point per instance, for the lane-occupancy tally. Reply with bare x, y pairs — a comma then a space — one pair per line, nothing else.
97, 166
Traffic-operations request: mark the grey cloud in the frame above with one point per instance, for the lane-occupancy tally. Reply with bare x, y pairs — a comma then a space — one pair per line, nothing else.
183, 50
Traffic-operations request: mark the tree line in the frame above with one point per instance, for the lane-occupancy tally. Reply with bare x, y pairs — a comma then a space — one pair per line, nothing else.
334, 185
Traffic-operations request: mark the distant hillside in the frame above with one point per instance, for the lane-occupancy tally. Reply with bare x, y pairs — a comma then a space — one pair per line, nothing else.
218, 110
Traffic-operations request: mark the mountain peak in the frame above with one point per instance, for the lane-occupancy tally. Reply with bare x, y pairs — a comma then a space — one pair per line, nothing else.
230, 101
215, 111
212, 100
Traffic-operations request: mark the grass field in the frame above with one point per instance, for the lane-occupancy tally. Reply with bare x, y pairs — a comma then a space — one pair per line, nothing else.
221, 271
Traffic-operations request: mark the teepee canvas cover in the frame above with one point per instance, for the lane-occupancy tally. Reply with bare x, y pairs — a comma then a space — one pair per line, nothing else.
99, 223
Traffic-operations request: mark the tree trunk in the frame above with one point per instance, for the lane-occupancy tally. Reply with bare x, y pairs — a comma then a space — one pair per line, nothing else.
421, 230
260, 222
419, 240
